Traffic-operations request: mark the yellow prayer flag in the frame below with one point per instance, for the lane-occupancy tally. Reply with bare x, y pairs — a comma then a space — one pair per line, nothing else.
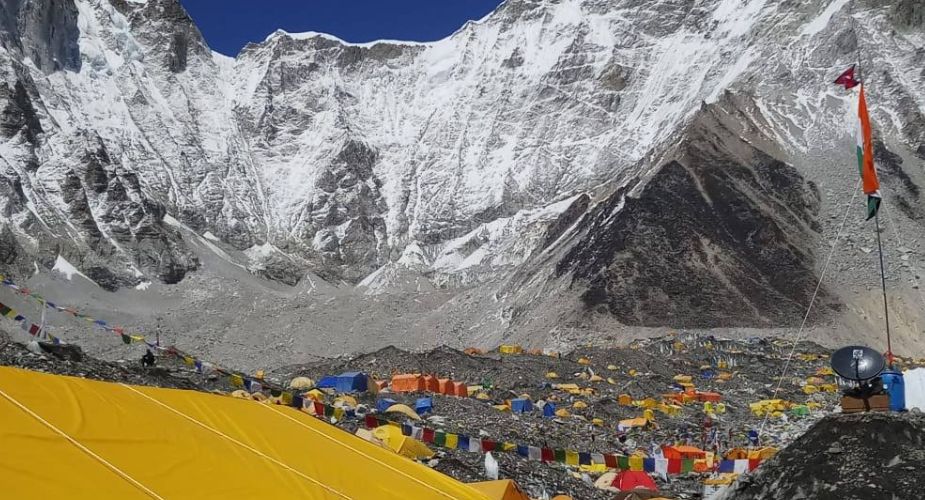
452, 441
287, 398
188, 360
237, 381
508, 447
571, 457
636, 463
338, 412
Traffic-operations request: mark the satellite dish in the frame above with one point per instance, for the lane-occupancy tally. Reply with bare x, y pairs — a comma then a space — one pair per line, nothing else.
857, 363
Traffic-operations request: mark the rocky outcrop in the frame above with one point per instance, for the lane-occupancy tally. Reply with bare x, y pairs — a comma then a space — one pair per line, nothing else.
45, 31
720, 235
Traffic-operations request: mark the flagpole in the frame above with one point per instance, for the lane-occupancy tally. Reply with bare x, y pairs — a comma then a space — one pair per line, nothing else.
886, 309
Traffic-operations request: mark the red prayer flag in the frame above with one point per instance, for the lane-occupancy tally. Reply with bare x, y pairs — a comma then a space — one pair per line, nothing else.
674, 466
488, 445
428, 435
610, 461
371, 422
547, 455
34, 330
847, 79
753, 463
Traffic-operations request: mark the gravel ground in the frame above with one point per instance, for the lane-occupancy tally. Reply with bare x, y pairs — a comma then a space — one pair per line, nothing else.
846, 457
754, 363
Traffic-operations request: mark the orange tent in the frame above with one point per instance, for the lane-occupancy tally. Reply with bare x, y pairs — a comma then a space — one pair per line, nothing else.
460, 389
381, 385
682, 452
713, 397
407, 383
445, 386
431, 384
628, 480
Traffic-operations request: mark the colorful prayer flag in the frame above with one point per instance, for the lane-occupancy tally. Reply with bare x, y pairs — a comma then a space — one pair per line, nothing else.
452, 441
236, 380
571, 458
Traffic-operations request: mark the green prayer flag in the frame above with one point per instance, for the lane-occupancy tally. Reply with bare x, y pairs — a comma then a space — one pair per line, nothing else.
440, 438
126, 339
560, 456
623, 462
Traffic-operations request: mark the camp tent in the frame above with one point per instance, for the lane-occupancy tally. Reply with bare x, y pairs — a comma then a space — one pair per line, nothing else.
431, 384
405, 446
351, 382
683, 452
549, 410
628, 480
186, 444
521, 405
762, 453
424, 405
502, 489
404, 410
408, 383
383, 404
304, 383
736, 454
327, 382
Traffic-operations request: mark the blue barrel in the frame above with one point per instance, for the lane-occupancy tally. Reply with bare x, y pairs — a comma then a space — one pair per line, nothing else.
896, 388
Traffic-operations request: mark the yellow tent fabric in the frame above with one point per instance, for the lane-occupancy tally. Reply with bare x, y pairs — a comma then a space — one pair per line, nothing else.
405, 446
502, 489
404, 410
301, 383
186, 444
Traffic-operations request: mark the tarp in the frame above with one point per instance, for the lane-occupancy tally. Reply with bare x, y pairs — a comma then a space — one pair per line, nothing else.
186, 444
502, 489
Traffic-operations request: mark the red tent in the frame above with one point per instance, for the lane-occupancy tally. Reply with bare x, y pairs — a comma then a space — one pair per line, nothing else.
628, 480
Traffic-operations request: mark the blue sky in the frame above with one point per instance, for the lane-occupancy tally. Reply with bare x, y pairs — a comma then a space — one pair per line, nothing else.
229, 24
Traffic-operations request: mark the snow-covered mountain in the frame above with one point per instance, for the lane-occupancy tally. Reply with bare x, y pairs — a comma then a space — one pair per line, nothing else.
664, 162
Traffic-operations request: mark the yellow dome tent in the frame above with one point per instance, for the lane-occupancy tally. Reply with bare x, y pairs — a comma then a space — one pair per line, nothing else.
148, 442
404, 410
303, 383
405, 446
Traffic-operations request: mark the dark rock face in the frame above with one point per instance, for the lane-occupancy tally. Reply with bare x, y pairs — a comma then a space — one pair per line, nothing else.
718, 237
18, 114
909, 14
349, 214
44, 30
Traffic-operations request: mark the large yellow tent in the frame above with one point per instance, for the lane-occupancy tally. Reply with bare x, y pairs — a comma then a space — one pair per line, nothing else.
66, 437
502, 489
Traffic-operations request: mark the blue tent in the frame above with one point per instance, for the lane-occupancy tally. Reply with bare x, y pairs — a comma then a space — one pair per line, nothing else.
383, 404
549, 410
423, 405
521, 405
327, 382
350, 382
